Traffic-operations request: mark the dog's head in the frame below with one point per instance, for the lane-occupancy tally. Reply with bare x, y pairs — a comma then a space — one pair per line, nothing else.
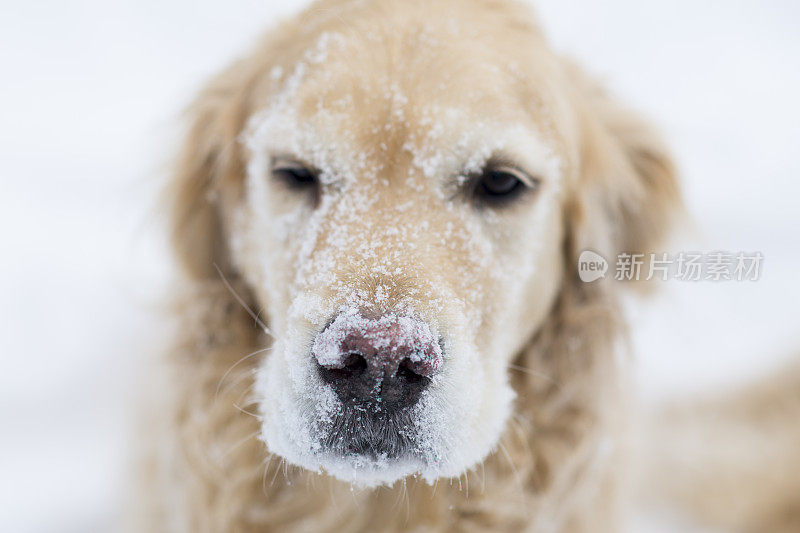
403, 188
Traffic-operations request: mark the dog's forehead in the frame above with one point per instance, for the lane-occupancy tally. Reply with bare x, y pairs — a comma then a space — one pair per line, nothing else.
349, 110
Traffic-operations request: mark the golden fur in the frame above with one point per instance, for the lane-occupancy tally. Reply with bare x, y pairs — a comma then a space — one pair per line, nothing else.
732, 459
560, 464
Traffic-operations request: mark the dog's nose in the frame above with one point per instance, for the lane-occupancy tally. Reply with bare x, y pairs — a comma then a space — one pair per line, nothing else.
386, 361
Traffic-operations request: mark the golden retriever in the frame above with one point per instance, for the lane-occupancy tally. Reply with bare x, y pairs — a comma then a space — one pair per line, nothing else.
378, 213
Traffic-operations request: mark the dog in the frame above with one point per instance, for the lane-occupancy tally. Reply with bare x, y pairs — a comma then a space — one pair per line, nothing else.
378, 214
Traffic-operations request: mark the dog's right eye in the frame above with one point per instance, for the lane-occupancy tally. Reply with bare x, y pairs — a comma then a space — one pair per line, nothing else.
294, 175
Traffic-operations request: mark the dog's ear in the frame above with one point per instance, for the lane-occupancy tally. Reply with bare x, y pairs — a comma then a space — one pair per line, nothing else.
626, 192
210, 157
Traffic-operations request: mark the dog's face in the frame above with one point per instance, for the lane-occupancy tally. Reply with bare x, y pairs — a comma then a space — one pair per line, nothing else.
400, 222
403, 230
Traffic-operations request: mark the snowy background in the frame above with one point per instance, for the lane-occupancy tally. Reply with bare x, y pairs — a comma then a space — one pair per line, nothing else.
90, 93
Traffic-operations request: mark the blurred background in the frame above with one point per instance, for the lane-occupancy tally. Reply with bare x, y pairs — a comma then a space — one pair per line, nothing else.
90, 99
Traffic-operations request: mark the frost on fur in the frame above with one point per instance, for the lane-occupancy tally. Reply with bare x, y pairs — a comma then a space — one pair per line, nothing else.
359, 250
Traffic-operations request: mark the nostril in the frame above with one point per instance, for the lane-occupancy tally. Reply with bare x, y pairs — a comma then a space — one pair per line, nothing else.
407, 373
354, 362
352, 365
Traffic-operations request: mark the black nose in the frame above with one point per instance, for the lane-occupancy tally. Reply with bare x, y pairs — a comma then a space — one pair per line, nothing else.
385, 381
385, 362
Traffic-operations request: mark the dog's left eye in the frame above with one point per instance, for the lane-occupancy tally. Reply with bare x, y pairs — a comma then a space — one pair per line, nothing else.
293, 174
499, 184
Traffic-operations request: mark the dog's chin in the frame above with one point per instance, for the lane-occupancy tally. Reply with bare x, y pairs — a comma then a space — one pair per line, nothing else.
366, 446
363, 464
379, 456
368, 471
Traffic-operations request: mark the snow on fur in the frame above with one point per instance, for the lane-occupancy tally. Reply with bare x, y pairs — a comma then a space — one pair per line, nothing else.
352, 177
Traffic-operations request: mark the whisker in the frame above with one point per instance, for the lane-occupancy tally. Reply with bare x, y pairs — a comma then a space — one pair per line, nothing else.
277, 470
249, 400
267, 464
242, 441
234, 365
331, 495
518, 424
243, 303
236, 381
407, 499
246, 403
513, 466
257, 417
356, 501
533, 373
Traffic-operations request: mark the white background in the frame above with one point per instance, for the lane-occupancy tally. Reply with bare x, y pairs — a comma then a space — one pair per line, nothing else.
90, 95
